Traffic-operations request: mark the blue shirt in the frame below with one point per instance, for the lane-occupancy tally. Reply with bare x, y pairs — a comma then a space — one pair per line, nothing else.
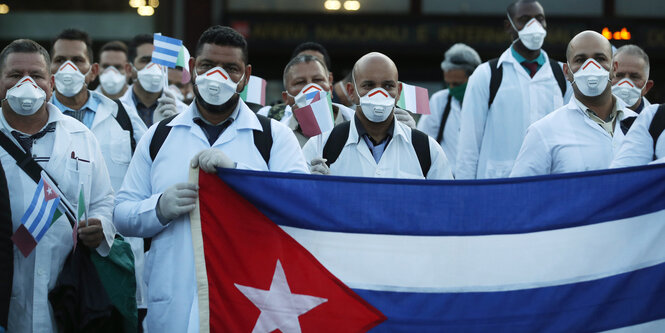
540, 60
145, 112
87, 111
378, 148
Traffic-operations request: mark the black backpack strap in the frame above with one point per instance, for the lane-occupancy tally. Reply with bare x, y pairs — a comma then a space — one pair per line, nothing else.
626, 123
558, 75
420, 142
496, 76
6, 250
23, 160
123, 120
336, 141
657, 126
263, 139
444, 118
158, 138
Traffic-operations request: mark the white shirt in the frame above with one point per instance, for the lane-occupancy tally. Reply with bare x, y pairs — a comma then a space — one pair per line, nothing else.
36, 275
490, 139
568, 140
169, 268
637, 147
430, 124
399, 160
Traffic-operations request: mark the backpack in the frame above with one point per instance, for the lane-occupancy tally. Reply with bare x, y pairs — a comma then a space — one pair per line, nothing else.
497, 76
123, 120
340, 134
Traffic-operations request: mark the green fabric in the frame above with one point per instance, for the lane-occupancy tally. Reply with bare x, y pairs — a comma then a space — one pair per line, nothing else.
540, 60
116, 271
458, 92
277, 111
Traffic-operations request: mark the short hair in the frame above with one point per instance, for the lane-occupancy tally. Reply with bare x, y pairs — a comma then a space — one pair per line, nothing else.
313, 46
75, 34
223, 36
137, 41
510, 10
301, 59
115, 45
634, 50
461, 56
24, 46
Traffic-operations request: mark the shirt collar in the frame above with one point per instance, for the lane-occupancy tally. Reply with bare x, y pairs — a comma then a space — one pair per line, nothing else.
231, 118
540, 60
54, 115
362, 131
90, 105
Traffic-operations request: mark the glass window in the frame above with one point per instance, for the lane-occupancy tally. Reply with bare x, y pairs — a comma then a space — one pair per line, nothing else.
364, 6
485, 7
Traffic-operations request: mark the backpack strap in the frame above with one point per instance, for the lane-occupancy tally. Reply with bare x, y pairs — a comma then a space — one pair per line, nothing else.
161, 132
263, 139
123, 120
657, 126
626, 124
6, 250
420, 142
444, 118
558, 75
23, 160
496, 76
336, 141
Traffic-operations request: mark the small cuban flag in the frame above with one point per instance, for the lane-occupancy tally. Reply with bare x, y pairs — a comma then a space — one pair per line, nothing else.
255, 91
317, 116
414, 99
37, 218
166, 50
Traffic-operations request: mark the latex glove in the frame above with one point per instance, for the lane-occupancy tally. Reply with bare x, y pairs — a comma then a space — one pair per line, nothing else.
92, 234
318, 166
211, 159
176, 200
405, 117
166, 106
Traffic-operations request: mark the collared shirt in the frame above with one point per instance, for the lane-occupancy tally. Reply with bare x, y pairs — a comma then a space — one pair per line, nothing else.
608, 125
40, 148
86, 114
540, 60
377, 148
145, 112
213, 131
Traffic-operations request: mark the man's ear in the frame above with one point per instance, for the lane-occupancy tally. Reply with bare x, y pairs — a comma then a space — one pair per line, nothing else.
192, 66
128, 70
567, 73
399, 92
285, 97
647, 87
351, 90
245, 79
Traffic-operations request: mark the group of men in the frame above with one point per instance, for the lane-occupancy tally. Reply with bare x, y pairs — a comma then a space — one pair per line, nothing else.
131, 146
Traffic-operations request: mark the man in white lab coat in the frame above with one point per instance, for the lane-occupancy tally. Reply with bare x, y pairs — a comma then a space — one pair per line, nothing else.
586, 133
497, 112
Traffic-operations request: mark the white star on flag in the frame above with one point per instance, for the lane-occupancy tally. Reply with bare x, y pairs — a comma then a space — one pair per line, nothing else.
279, 307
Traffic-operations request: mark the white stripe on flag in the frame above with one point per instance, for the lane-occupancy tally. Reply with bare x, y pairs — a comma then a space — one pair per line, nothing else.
488, 263
168, 46
409, 92
33, 215
164, 57
254, 90
44, 222
322, 114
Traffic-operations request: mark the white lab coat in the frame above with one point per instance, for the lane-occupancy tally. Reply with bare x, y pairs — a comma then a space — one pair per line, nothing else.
399, 159
430, 123
36, 275
637, 147
567, 140
489, 140
129, 105
169, 269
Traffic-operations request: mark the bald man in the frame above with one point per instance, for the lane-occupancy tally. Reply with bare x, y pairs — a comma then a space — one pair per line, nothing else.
585, 134
373, 143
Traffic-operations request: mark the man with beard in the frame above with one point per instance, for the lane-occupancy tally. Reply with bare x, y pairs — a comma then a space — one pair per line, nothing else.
155, 198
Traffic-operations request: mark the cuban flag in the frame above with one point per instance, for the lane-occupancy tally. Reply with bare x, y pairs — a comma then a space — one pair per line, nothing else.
579, 252
166, 50
37, 218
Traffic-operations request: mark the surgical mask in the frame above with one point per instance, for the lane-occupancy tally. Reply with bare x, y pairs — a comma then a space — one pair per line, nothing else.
112, 80
215, 86
532, 34
151, 78
591, 79
69, 80
306, 94
627, 91
25, 97
376, 105
458, 92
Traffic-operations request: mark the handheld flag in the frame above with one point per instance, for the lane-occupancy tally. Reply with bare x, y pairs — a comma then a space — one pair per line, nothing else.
183, 62
166, 50
316, 117
255, 91
414, 99
37, 218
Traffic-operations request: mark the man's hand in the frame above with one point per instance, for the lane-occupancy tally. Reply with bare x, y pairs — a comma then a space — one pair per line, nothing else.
166, 106
404, 117
318, 166
91, 235
176, 200
211, 159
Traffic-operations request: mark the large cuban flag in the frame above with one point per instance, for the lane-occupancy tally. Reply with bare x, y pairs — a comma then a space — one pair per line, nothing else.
580, 252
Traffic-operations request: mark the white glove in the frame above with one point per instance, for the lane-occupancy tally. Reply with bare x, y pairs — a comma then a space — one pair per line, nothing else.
405, 117
318, 166
166, 106
176, 200
211, 159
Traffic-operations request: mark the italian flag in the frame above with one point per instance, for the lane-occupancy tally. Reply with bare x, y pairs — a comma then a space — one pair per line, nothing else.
414, 99
255, 91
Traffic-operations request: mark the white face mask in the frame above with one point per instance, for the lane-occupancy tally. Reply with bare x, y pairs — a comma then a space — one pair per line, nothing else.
112, 80
306, 94
591, 79
215, 86
151, 78
69, 80
25, 97
532, 34
376, 105
627, 91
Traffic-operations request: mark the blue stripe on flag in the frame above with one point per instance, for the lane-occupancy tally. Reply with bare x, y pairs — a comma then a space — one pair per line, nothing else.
617, 301
166, 39
506, 206
33, 203
39, 217
166, 51
47, 225
163, 62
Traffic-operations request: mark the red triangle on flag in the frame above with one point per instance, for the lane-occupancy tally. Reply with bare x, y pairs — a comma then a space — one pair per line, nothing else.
248, 255
49, 193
